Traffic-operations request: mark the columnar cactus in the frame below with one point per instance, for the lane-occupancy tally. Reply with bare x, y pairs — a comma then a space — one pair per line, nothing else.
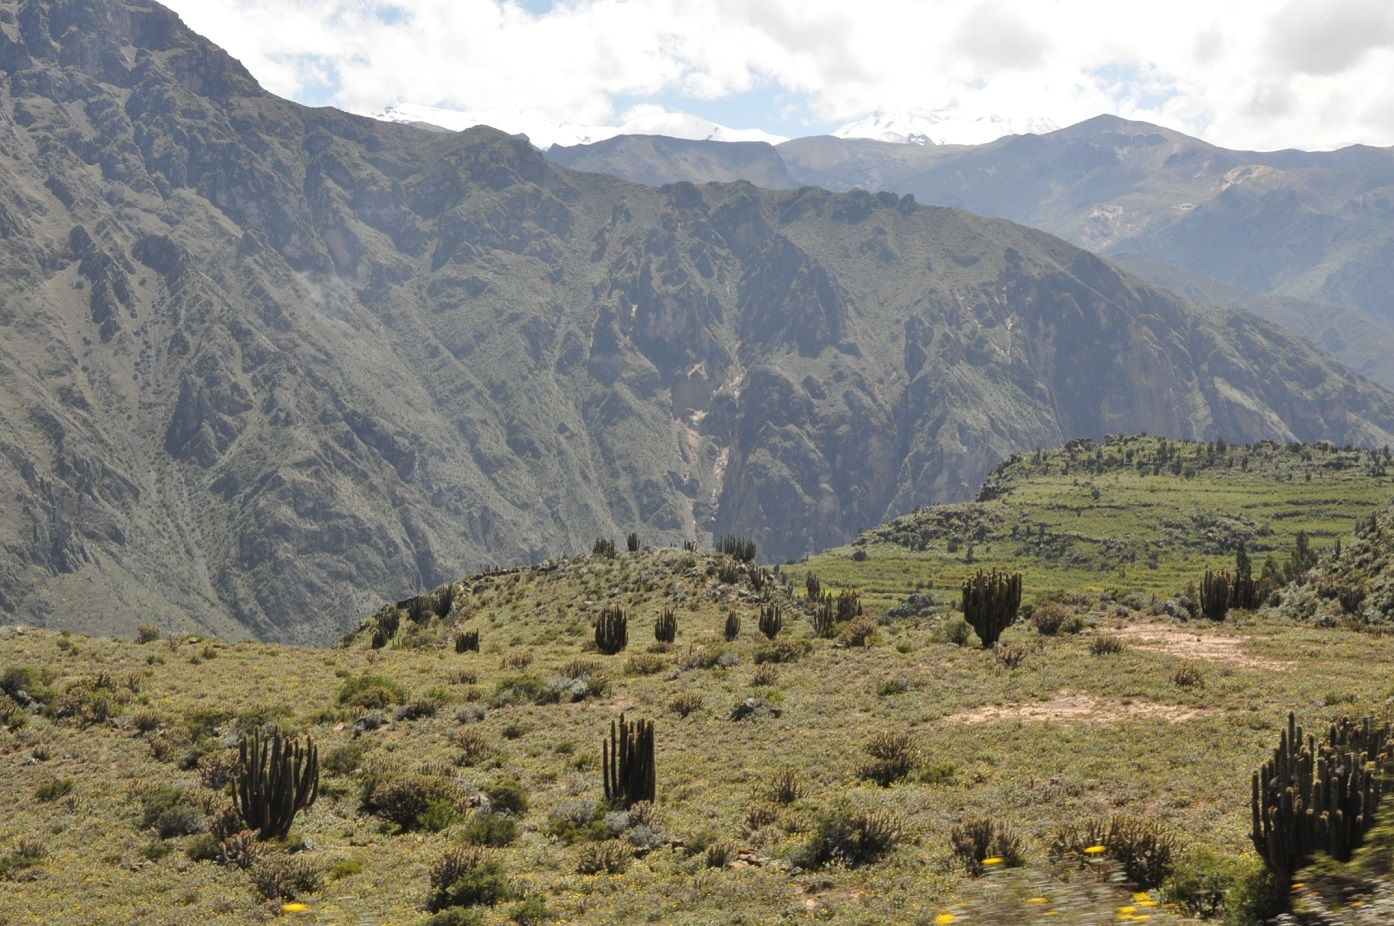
733, 625
1309, 798
990, 603
275, 780
612, 630
665, 628
1214, 595
627, 763
771, 621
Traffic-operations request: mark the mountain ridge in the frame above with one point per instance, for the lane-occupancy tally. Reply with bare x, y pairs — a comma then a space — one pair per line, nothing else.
264, 366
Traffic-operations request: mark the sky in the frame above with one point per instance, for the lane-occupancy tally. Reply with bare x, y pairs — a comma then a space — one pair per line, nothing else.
1247, 74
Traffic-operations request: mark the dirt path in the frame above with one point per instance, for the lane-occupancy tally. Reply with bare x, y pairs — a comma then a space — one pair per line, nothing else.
1069, 706
1211, 647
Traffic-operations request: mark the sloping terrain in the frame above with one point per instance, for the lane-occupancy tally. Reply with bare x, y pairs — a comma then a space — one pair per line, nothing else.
1310, 229
264, 365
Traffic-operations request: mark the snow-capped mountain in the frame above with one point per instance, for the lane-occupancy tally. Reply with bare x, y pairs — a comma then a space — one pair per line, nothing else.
544, 133
942, 128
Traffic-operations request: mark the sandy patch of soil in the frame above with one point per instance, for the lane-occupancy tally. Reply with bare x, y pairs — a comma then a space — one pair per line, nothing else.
1175, 641
1067, 707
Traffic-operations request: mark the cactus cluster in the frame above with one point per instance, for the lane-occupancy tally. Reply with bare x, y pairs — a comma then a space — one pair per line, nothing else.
1215, 594
741, 549
990, 603
733, 625
603, 546
1312, 798
665, 628
467, 641
631, 542
627, 763
771, 621
612, 630
275, 779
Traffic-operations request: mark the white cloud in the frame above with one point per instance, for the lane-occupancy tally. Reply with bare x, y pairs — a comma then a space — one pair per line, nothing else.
1241, 73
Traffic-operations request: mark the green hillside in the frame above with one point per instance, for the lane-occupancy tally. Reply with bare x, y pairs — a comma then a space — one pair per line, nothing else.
1140, 514
835, 801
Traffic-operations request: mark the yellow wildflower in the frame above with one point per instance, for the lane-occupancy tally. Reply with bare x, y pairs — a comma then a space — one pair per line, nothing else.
944, 919
1096, 850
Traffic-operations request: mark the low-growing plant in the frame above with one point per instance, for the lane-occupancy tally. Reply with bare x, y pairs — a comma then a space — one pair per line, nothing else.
277, 876
1009, 655
53, 789
894, 755
850, 836
467, 876
783, 650
489, 829
785, 787
610, 857
645, 664
475, 746
373, 692
955, 630
507, 795
721, 853
979, 840
1106, 644
859, 632
401, 798
686, 702
1141, 847
1188, 677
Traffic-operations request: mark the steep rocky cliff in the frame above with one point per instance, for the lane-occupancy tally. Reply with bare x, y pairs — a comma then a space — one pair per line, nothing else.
264, 366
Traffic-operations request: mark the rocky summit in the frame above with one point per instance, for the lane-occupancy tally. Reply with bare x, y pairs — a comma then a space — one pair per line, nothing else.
264, 366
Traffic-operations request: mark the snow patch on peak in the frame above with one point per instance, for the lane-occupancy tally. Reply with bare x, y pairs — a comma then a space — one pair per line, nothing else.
944, 127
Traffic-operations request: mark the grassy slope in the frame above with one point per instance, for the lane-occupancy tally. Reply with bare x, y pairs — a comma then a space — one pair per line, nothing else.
1150, 528
1192, 774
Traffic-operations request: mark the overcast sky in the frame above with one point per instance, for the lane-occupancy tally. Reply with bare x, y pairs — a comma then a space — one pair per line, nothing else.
1240, 73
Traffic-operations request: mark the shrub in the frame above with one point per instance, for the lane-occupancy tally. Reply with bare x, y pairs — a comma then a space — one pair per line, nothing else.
148, 633
1188, 677
455, 916
402, 798
26, 854
467, 876
1105, 644
1010, 655
645, 664
765, 675
344, 760
851, 837
474, 744
507, 796
685, 703
610, 857
955, 630
53, 789
1142, 848
785, 787
975, 841
373, 692
858, 633
1052, 617
285, 877
471, 713
721, 853
893, 756
415, 710
783, 650
489, 829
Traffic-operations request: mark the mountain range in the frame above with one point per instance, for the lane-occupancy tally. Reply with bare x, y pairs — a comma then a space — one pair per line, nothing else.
264, 366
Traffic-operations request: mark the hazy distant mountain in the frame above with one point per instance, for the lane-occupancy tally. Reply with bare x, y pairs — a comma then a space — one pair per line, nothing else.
264, 366
655, 160
942, 128
544, 133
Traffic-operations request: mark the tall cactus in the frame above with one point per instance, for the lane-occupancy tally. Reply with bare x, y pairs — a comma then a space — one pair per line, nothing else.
771, 621
1214, 594
665, 628
275, 780
1308, 798
990, 603
627, 763
612, 630
733, 626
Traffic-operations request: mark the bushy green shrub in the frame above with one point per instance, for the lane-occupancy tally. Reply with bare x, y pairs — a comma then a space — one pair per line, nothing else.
489, 829
850, 836
507, 795
372, 692
467, 876
403, 797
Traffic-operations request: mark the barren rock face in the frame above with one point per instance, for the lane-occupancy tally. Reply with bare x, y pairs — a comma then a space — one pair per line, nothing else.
262, 367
